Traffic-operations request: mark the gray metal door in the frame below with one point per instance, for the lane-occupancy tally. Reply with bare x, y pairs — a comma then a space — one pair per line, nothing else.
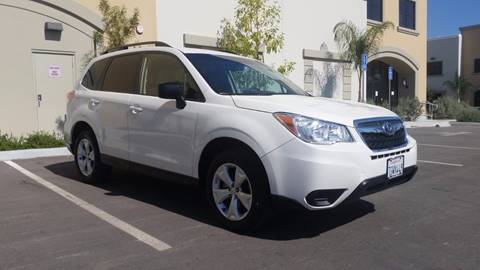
54, 78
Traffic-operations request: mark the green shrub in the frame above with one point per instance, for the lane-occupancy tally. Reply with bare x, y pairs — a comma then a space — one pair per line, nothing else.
448, 108
8, 142
469, 114
33, 140
409, 109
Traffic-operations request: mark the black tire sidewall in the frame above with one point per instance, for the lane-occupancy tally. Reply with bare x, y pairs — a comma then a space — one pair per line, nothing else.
252, 166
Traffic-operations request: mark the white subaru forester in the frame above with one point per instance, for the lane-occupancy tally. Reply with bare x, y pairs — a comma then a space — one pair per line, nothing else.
246, 134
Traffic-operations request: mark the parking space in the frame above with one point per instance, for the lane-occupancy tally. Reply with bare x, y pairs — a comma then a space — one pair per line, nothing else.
432, 222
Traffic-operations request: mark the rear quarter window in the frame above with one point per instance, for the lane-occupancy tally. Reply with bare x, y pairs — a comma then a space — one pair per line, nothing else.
94, 76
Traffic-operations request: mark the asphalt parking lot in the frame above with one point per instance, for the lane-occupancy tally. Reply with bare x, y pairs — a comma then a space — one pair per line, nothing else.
432, 222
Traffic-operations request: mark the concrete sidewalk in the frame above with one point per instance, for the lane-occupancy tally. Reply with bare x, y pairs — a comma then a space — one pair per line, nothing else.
33, 153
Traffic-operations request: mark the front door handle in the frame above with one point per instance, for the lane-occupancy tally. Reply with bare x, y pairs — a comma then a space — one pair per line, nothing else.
94, 102
135, 109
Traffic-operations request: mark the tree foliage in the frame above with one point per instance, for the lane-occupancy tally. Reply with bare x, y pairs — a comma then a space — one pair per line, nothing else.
459, 84
353, 42
118, 26
256, 26
286, 67
255, 29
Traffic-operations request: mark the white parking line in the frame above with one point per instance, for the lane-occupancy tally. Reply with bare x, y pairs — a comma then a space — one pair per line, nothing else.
119, 224
440, 163
450, 146
451, 134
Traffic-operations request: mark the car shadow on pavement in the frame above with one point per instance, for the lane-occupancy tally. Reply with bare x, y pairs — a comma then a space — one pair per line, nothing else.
187, 201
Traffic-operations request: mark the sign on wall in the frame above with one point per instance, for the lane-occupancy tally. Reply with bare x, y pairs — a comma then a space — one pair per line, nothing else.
54, 72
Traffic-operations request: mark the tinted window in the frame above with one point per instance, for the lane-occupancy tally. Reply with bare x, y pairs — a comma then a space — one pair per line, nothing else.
122, 74
477, 66
94, 76
375, 10
435, 68
163, 69
407, 14
240, 76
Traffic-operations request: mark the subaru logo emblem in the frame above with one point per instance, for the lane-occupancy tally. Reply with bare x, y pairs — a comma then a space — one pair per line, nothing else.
388, 129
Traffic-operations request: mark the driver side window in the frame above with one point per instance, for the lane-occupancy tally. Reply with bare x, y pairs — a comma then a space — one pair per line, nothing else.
160, 68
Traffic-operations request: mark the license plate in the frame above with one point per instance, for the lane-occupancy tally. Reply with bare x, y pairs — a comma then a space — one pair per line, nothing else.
395, 167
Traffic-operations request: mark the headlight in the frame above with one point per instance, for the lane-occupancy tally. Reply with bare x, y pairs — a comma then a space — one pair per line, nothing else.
313, 130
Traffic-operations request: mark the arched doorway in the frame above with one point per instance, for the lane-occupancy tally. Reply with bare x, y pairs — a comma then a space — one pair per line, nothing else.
404, 77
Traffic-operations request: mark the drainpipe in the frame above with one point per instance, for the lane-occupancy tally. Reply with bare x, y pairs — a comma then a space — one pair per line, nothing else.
460, 44
459, 68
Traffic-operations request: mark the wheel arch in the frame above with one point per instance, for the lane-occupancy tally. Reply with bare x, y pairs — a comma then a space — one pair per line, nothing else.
218, 145
79, 127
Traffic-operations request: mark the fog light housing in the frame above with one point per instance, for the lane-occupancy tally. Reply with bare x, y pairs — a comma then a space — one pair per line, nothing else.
323, 198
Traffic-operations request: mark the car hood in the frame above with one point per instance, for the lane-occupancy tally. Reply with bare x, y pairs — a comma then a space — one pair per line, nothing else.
338, 111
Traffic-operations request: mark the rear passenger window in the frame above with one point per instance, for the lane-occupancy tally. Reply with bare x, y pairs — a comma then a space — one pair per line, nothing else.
164, 68
122, 74
94, 76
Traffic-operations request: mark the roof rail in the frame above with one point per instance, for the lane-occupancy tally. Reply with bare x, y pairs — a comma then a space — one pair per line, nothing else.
126, 46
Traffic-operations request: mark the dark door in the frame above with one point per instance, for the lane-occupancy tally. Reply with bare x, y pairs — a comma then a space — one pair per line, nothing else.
477, 99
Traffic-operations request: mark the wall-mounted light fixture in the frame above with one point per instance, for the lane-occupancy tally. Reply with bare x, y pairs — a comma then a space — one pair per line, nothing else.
53, 26
139, 29
53, 31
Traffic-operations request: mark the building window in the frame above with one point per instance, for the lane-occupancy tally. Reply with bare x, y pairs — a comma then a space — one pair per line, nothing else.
435, 68
477, 65
375, 10
407, 14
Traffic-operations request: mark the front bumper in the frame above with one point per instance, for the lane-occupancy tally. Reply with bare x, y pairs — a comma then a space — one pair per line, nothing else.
340, 173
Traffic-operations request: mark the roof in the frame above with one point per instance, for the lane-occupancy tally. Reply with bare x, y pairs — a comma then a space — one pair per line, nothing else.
470, 27
164, 49
443, 38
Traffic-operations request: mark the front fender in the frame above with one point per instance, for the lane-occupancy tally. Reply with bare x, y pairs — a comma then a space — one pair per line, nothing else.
259, 130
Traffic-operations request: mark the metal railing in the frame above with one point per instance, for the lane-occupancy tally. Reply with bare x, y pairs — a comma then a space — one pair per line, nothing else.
431, 108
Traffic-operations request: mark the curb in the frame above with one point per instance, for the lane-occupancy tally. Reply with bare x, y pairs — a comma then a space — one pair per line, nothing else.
466, 124
33, 153
429, 123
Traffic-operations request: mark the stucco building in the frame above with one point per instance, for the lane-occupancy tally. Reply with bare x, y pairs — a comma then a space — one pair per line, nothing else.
41, 59
455, 56
404, 48
309, 42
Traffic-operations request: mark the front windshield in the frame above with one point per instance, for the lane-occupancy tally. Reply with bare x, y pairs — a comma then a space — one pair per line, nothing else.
228, 75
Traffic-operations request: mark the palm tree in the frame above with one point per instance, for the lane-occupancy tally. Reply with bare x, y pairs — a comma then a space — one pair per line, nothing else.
353, 42
459, 84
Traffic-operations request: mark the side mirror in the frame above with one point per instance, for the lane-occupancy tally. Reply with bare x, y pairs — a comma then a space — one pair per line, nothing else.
172, 91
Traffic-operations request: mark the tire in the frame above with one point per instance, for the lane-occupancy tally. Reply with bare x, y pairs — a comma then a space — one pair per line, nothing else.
87, 159
230, 203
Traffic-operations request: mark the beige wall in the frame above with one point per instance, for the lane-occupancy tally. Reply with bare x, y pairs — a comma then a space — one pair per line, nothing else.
471, 51
410, 43
23, 25
147, 15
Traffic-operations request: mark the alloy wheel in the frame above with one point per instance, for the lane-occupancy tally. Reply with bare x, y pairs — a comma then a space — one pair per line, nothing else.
86, 157
232, 192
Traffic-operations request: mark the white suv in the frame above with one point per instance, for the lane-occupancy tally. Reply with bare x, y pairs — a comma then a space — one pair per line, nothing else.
246, 134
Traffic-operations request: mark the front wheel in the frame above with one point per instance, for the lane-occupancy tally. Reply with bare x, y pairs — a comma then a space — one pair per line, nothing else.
237, 190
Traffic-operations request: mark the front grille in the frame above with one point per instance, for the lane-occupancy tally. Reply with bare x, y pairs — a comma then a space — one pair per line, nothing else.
382, 133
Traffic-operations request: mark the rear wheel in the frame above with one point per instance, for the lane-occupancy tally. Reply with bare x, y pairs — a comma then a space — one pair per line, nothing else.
87, 158
237, 190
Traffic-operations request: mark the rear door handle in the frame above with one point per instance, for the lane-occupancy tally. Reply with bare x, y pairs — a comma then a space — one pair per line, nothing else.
94, 102
135, 109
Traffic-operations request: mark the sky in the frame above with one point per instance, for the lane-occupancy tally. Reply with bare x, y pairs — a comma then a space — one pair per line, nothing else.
446, 16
